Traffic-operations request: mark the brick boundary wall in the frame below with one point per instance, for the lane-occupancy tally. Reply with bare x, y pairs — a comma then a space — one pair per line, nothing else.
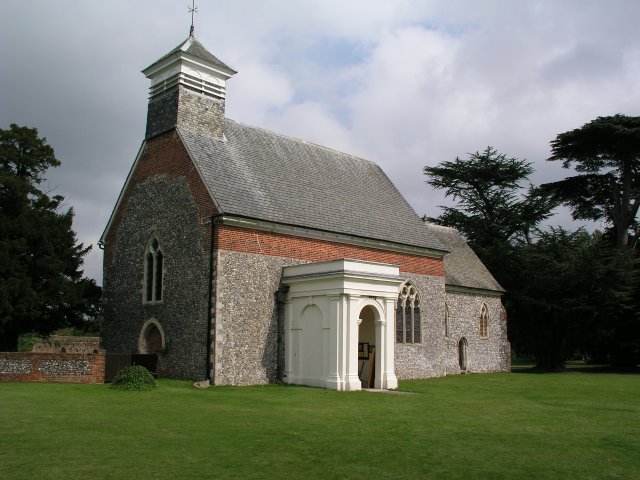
52, 367
287, 246
67, 344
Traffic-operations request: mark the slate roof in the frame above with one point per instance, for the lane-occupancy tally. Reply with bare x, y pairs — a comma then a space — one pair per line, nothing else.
195, 48
462, 267
263, 175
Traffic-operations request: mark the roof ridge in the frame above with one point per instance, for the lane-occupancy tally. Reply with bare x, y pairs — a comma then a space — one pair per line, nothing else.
301, 140
442, 227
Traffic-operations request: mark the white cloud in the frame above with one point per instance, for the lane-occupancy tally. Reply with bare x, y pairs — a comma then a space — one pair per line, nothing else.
403, 82
263, 89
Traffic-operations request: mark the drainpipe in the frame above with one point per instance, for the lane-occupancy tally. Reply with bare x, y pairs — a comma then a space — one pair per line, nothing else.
211, 318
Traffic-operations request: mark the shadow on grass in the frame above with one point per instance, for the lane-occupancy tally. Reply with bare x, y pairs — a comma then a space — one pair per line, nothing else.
574, 367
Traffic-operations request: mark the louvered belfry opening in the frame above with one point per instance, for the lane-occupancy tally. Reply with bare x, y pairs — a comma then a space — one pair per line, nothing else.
188, 91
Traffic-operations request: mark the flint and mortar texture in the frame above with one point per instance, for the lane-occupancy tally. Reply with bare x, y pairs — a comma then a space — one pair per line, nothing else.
12, 366
164, 207
247, 317
52, 367
484, 354
247, 325
65, 367
185, 109
425, 359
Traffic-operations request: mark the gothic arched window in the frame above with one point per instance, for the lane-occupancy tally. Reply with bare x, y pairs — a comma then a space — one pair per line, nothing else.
153, 271
484, 321
462, 353
408, 314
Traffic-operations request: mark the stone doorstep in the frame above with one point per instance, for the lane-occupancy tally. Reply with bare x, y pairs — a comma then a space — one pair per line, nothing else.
392, 392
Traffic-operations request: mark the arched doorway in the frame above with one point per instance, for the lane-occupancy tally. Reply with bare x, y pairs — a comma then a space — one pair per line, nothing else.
367, 347
462, 354
152, 342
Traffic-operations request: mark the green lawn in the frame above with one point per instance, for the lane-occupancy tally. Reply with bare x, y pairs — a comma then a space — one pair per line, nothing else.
513, 426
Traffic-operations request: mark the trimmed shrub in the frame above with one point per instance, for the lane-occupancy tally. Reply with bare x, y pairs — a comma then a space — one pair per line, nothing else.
26, 341
135, 377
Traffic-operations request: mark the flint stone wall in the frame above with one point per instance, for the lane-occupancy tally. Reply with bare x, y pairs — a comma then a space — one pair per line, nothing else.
165, 207
425, 359
52, 367
186, 109
484, 354
246, 350
67, 344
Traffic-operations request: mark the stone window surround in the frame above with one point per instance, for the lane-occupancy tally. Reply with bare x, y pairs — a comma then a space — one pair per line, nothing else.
484, 321
157, 254
409, 293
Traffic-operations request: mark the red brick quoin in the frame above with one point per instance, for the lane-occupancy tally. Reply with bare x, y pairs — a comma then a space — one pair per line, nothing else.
279, 245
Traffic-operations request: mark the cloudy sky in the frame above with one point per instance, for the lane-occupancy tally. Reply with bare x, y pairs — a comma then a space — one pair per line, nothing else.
406, 83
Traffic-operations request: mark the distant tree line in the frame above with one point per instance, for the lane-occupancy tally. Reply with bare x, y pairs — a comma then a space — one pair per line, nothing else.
568, 293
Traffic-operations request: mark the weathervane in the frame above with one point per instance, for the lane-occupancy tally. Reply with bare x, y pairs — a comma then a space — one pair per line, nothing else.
192, 9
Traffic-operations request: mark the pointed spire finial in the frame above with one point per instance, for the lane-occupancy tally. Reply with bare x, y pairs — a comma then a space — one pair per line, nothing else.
192, 9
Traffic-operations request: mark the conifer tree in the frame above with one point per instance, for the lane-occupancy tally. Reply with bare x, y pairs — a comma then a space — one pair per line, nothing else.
42, 287
606, 155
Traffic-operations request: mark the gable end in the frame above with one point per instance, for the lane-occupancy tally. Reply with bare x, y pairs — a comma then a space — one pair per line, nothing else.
162, 155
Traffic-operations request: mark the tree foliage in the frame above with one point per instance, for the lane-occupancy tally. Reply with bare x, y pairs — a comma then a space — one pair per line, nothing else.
41, 283
567, 292
606, 154
491, 206
570, 293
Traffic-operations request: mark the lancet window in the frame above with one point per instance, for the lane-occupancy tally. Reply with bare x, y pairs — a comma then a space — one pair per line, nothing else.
153, 271
446, 320
484, 321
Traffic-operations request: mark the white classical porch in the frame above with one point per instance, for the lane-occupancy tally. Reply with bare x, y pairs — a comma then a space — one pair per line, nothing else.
325, 304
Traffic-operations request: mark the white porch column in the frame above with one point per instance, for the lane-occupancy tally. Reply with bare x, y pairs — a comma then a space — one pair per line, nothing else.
350, 316
293, 345
334, 380
389, 379
288, 342
381, 353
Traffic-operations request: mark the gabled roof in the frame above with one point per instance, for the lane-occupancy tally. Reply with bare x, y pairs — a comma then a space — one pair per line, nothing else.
462, 267
262, 175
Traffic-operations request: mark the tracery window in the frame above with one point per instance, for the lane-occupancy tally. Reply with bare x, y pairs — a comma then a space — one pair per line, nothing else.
153, 271
484, 320
408, 314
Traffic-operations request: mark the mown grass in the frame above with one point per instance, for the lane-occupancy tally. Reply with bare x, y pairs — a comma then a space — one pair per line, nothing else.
515, 426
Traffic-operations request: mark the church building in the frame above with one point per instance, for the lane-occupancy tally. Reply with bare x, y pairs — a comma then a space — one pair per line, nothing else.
243, 256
